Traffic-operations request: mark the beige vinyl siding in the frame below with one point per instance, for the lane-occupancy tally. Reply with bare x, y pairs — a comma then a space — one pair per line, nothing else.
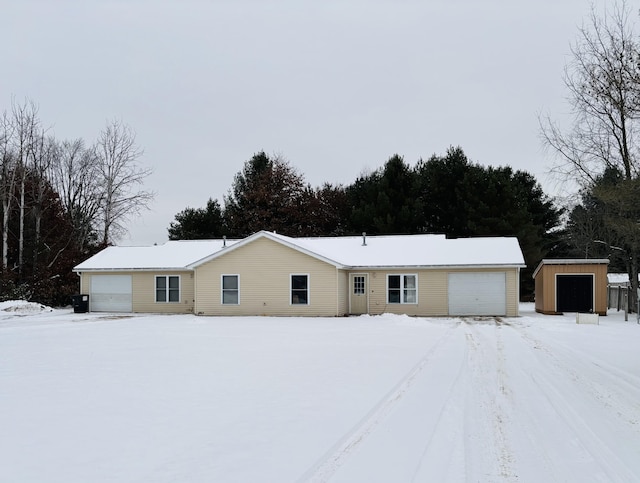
437, 288
513, 292
432, 288
265, 268
432, 291
144, 291
343, 292
85, 282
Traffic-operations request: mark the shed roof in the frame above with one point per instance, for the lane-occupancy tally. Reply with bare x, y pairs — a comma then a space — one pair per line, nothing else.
344, 252
570, 261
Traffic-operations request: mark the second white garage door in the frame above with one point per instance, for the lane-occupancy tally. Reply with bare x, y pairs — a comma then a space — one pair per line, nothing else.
478, 293
110, 293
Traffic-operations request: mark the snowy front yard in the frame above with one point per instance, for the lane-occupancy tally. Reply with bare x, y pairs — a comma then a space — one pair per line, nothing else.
97, 398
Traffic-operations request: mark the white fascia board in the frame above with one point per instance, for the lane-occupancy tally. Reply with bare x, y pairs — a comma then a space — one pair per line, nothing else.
575, 261
129, 269
431, 267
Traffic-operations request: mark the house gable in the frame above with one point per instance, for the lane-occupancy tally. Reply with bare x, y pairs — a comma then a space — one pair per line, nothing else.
264, 267
285, 241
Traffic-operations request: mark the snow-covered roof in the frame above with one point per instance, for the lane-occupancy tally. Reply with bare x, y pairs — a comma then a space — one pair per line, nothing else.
343, 252
173, 255
413, 250
619, 278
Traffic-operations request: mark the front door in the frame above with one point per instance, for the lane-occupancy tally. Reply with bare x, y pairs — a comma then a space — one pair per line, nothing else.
358, 299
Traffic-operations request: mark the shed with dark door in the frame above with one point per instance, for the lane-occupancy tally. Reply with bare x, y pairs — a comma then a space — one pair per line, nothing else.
571, 285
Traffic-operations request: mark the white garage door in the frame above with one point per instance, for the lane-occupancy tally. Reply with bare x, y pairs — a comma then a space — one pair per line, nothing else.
481, 293
110, 293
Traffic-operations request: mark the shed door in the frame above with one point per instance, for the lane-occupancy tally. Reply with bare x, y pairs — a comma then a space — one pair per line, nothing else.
574, 293
110, 293
478, 293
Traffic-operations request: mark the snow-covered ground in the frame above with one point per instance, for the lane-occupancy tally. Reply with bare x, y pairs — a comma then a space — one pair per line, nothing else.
108, 398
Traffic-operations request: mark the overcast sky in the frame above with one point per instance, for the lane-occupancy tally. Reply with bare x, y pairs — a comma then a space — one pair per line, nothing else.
336, 87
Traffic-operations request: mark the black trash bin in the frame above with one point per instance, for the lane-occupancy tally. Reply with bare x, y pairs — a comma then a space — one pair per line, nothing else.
80, 303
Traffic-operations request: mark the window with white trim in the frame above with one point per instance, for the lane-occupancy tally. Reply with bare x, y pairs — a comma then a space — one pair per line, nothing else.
299, 289
168, 288
402, 289
230, 289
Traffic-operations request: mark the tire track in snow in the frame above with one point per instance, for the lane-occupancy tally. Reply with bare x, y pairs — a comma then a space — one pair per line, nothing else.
326, 466
555, 387
473, 411
527, 403
599, 451
620, 394
442, 457
487, 406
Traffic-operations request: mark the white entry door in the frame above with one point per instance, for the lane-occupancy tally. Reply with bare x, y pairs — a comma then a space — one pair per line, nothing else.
110, 293
358, 294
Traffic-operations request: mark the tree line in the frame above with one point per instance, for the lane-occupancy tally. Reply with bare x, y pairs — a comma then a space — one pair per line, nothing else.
443, 194
61, 201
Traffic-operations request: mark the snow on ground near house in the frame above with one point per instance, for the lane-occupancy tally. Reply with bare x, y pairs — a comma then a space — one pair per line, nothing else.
148, 398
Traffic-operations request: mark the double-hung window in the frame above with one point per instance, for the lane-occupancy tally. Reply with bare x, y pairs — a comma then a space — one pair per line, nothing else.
167, 288
402, 289
230, 289
300, 289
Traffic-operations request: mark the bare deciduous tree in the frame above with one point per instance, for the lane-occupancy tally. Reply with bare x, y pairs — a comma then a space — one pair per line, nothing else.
41, 158
75, 176
27, 135
18, 132
7, 179
603, 81
122, 179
